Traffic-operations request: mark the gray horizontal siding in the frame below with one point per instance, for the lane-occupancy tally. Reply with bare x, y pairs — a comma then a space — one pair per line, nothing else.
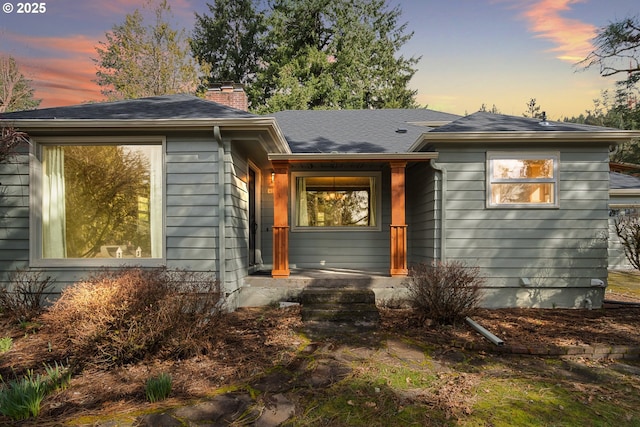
14, 216
191, 203
191, 207
423, 238
563, 246
237, 218
358, 249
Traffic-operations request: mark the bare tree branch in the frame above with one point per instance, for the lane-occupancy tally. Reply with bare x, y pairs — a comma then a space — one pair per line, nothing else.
10, 140
617, 49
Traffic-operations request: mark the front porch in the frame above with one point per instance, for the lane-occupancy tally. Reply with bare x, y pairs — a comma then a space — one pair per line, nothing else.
301, 236
261, 289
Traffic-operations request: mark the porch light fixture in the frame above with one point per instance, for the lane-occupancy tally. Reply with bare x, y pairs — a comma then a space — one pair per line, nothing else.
273, 177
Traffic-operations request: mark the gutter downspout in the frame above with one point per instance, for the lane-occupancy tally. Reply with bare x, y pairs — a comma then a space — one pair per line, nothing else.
443, 212
222, 237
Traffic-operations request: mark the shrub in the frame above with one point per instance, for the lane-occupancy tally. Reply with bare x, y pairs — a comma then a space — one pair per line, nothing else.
123, 316
158, 388
628, 230
444, 292
24, 297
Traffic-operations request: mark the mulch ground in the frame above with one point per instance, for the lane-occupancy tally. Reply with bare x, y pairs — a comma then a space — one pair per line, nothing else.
257, 340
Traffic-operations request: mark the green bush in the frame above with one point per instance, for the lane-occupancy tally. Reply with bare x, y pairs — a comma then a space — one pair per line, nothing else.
123, 316
158, 388
24, 297
444, 292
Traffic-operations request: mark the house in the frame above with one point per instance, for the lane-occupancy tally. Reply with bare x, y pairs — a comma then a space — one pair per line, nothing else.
624, 199
268, 203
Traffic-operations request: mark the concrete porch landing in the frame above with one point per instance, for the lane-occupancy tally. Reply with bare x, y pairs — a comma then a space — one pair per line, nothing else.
261, 289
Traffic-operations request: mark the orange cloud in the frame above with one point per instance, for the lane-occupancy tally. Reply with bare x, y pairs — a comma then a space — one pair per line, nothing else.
571, 37
60, 82
64, 74
73, 45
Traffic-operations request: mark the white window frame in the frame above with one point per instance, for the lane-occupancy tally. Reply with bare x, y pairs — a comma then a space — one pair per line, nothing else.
378, 207
523, 155
35, 195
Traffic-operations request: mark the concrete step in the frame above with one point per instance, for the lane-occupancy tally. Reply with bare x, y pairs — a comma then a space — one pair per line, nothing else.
340, 314
339, 305
338, 296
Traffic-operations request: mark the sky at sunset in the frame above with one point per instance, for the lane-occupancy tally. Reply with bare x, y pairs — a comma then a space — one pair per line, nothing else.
473, 52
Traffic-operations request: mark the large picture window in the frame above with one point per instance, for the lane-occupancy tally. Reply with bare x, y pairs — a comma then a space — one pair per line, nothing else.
336, 201
100, 201
529, 180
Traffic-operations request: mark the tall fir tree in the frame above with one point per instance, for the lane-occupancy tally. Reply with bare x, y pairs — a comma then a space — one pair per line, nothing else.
310, 54
329, 54
230, 39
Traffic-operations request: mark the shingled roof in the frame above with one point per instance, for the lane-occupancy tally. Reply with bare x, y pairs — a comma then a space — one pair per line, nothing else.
356, 131
168, 107
621, 181
489, 122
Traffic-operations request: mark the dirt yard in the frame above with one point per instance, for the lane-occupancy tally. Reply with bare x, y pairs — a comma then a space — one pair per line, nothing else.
258, 340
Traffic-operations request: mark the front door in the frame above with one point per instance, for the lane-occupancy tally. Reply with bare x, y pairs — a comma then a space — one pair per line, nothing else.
253, 222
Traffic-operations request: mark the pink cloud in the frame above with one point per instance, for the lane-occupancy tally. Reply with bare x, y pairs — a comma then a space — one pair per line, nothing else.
572, 38
65, 74
61, 82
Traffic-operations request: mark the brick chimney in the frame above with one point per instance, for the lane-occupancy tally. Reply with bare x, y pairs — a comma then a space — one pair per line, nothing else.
229, 94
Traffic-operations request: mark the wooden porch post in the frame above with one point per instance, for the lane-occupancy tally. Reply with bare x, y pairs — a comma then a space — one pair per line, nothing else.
281, 220
398, 220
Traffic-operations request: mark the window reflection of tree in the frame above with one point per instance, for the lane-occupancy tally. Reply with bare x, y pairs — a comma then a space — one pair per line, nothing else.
522, 169
338, 208
106, 189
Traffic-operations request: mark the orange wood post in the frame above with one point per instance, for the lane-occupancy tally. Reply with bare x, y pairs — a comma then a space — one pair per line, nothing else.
281, 220
398, 220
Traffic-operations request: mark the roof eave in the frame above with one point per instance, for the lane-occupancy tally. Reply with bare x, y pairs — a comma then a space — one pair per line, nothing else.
267, 124
608, 136
624, 192
352, 157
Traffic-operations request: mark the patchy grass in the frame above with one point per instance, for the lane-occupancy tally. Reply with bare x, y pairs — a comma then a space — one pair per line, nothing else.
507, 392
624, 282
540, 402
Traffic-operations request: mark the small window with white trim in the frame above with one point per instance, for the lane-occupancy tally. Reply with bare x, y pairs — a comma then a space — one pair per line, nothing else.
336, 201
100, 201
522, 180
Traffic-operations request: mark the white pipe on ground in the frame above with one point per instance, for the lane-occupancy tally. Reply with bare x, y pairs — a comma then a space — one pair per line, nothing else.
488, 335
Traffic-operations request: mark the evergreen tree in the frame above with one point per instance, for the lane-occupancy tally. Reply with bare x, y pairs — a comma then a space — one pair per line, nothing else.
309, 54
335, 54
533, 110
230, 40
139, 60
16, 92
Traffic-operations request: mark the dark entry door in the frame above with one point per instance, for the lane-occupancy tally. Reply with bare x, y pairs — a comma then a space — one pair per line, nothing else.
253, 223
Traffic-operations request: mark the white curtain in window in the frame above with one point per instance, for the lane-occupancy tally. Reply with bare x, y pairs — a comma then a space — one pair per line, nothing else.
155, 203
54, 242
372, 201
301, 198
